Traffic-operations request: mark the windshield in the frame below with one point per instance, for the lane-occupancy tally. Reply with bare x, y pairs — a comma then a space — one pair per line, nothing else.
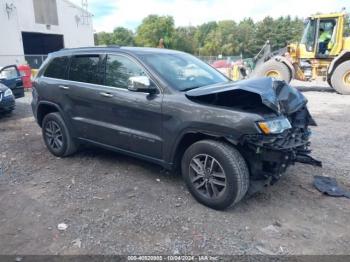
183, 71
309, 35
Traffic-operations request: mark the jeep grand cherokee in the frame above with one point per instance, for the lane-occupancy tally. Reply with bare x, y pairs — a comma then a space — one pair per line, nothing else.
172, 109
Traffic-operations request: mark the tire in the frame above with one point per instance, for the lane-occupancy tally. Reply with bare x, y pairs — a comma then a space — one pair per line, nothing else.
272, 67
235, 174
67, 145
340, 79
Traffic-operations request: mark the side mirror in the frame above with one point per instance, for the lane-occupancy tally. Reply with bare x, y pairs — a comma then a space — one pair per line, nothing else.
141, 84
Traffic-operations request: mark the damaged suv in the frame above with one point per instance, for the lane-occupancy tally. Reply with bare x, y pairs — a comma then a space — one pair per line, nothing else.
172, 109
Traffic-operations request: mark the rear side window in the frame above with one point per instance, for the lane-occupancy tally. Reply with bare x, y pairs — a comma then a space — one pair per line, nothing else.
86, 69
57, 68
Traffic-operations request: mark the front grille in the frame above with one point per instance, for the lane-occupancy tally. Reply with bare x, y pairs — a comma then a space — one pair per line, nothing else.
289, 139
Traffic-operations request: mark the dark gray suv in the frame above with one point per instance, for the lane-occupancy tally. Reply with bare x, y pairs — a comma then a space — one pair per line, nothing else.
172, 109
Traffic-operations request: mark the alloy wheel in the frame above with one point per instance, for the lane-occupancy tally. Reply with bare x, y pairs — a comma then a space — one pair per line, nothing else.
207, 176
54, 135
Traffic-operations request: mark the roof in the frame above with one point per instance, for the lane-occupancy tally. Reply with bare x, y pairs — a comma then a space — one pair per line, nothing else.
78, 7
106, 49
328, 15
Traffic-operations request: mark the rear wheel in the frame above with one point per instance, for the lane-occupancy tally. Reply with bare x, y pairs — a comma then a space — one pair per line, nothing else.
215, 173
57, 136
340, 78
274, 69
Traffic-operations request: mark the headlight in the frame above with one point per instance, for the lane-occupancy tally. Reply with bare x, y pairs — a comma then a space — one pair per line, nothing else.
8, 92
274, 126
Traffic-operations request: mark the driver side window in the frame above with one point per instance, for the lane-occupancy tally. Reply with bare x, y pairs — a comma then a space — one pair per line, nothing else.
119, 69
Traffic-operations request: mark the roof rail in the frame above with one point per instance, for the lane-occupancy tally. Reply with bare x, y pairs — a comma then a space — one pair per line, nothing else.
89, 47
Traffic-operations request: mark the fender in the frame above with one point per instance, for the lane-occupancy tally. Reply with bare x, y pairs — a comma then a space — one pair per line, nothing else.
59, 109
287, 62
344, 55
171, 157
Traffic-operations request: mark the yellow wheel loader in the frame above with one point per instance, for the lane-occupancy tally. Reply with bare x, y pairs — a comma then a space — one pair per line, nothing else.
323, 52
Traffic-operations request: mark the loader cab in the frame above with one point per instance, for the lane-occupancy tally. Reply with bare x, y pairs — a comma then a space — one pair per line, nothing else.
314, 45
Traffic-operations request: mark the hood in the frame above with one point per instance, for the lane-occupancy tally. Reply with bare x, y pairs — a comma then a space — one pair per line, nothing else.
275, 94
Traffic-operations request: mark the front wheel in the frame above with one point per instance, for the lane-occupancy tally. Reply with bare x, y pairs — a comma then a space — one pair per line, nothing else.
215, 173
340, 78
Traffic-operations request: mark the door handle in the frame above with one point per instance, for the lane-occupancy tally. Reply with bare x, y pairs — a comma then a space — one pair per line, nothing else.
106, 94
64, 87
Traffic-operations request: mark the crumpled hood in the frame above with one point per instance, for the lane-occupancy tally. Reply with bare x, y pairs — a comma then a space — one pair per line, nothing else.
275, 94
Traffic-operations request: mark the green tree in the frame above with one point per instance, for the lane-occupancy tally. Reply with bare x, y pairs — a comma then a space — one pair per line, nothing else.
224, 37
122, 36
201, 35
103, 38
247, 43
183, 39
153, 28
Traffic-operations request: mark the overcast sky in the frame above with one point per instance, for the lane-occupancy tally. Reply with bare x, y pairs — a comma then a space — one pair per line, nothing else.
109, 14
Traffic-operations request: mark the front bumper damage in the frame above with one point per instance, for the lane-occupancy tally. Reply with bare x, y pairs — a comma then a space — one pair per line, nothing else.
270, 155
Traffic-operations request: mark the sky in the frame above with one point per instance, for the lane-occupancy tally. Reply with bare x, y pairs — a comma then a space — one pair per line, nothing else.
109, 14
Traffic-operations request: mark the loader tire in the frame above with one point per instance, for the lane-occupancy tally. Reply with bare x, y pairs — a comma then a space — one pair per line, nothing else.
275, 69
340, 79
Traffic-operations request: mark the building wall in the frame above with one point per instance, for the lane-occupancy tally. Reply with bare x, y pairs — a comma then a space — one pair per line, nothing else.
75, 27
11, 38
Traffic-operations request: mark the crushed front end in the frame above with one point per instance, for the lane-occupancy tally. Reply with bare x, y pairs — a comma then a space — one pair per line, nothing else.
269, 155
281, 138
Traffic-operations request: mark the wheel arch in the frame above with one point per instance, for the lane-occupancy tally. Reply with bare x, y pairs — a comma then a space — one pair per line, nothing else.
45, 108
189, 137
342, 57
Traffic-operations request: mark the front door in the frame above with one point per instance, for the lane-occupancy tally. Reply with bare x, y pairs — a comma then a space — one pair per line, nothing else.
105, 111
10, 77
136, 116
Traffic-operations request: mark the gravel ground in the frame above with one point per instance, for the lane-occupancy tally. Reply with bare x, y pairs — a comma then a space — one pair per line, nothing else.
114, 204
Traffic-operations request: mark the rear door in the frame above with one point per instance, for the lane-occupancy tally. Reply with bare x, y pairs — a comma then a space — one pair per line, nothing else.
83, 99
11, 77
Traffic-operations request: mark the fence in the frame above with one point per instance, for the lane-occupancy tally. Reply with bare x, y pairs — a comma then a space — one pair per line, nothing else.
212, 59
34, 61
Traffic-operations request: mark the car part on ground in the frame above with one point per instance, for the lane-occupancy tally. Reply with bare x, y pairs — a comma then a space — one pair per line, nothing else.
172, 109
329, 186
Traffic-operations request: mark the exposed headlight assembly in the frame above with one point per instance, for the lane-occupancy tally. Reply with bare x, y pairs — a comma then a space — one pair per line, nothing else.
8, 92
274, 126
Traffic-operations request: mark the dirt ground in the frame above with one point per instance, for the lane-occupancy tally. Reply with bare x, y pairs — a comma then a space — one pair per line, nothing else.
114, 204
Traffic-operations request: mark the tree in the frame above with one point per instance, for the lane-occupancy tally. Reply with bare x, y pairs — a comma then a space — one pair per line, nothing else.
248, 45
122, 36
224, 37
201, 35
103, 38
153, 28
183, 39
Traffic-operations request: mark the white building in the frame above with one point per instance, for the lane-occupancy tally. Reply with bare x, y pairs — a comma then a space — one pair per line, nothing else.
32, 28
